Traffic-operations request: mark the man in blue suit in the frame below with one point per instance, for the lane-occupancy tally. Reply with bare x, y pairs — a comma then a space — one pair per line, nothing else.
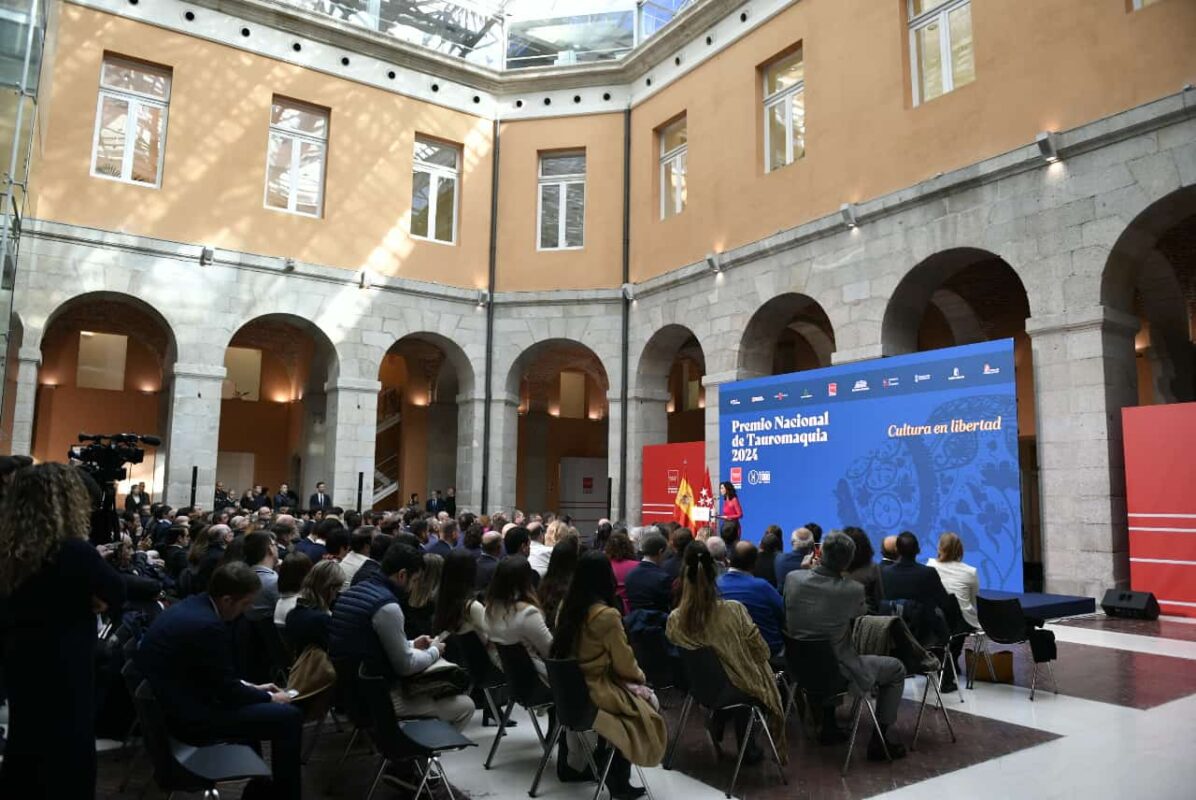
187, 657
649, 587
762, 601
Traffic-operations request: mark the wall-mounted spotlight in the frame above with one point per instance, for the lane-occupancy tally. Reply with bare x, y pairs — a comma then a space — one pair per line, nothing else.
1048, 146
847, 212
207, 255
288, 264
483, 297
628, 290
364, 279
714, 262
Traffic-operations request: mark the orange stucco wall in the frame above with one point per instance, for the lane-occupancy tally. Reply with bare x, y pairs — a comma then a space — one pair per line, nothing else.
1039, 66
214, 173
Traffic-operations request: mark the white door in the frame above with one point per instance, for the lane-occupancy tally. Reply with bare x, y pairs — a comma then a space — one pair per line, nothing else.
585, 493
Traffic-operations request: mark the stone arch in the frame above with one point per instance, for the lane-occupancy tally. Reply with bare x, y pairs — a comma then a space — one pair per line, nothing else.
791, 321
1151, 274
591, 364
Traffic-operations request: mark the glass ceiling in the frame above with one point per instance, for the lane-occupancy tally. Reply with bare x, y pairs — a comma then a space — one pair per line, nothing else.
510, 34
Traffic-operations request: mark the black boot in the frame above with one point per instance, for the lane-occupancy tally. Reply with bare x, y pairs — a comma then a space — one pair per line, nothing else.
618, 780
876, 750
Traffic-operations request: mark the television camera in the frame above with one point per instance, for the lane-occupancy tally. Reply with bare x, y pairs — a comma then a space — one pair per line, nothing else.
104, 457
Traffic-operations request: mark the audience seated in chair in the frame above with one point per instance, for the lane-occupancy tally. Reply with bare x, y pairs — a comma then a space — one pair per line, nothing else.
907, 580
762, 601
308, 622
864, 570
801, 550
820, 604
260, 553
649, 586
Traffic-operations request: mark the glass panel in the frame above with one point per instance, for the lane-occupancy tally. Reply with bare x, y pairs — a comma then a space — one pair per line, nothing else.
922, 6
575, 212
799, 125
101, 363
446, 191
568, 164
278, 170
963, 62
147, 143
110, 144
550, 215
930, 66
673, 136
421, 181
311, 175
299, 119
431, 152
679, 181
140, 78
777, 133
783, 73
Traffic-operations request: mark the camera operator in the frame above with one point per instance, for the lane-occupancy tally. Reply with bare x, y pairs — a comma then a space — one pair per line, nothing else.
52, 584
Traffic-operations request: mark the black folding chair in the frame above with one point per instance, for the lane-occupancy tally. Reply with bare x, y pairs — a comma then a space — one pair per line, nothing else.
180, 767
710, 687
407, 740
349, 700
960, 630
526, 689
818, 676
651, 648
467, 650
1004, 622
575, 712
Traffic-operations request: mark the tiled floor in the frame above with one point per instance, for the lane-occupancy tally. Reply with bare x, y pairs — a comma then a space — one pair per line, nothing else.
1122, 728
1165, 628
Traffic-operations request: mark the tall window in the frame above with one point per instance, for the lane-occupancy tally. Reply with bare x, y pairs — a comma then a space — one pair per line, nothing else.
674, 153
295, 158
1143, 3
562, 205
434, 180
130, 135
784, 111
940, 37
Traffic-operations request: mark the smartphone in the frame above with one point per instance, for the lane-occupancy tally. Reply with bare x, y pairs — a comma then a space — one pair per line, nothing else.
292, 693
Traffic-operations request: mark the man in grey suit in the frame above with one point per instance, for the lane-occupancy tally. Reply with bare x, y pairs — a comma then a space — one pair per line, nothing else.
821, 604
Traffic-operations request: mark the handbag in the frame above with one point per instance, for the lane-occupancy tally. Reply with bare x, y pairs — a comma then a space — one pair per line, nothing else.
442, 679
311, 673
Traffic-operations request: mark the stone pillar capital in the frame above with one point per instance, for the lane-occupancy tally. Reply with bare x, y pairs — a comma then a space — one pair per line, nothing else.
650, 396
1097, 318
30, 355
344, 384
209, 372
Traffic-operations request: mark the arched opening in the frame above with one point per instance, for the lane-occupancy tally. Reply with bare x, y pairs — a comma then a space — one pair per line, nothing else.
561, 455
416, 449
673, 363
106, 359
273, 429
1151, 274
964, 296
789, 333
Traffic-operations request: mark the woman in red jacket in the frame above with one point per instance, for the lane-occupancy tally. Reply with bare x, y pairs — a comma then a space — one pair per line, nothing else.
731, 508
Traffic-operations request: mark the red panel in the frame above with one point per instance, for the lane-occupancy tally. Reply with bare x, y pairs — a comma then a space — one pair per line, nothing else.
684, 458
1160, 473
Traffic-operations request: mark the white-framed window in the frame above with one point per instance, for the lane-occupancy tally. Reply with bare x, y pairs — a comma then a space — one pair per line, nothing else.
436, 174
674, 153
295, 157
784, 111
940, 42
130, 135
561, 207
1140, 4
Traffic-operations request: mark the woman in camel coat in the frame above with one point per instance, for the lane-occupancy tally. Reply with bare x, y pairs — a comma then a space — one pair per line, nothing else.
590, 629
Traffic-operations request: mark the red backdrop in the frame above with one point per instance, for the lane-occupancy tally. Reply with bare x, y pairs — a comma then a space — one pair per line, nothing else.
664, 464
1160, 485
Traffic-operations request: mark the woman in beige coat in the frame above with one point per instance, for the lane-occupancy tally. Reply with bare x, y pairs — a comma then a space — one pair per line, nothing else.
590, 629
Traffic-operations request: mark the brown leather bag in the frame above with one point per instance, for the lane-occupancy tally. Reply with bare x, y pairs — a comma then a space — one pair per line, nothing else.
311, 673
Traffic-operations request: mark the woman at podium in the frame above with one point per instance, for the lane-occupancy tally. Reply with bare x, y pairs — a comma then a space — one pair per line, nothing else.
731, 508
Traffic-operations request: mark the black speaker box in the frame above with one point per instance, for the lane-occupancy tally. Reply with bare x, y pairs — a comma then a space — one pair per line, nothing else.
1132, 605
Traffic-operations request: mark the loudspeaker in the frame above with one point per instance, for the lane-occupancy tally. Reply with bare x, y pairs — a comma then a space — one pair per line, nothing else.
1133, 605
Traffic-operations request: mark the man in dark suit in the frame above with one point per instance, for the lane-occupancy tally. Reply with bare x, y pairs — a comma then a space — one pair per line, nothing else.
919, 585
284, 498
821, 604
321, 499
178, 542
679, 540
220, 498
649, 587
488, 560
443, 542
136, 498
450, 502
435, 503
187, 657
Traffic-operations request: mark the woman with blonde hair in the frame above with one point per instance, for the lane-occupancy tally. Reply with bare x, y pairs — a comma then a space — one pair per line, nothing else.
307, 622
52, 584
703, 619
421, 597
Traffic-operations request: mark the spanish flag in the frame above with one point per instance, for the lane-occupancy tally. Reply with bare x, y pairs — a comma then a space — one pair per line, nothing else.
683, 504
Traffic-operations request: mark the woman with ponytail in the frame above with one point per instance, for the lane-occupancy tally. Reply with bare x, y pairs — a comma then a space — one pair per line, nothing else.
703, 619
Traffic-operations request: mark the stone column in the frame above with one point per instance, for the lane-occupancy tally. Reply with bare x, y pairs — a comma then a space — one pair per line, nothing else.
504, 445
351, 425
1084, 374
470, 423
192, 433
647, 424
614, 449
29, 361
